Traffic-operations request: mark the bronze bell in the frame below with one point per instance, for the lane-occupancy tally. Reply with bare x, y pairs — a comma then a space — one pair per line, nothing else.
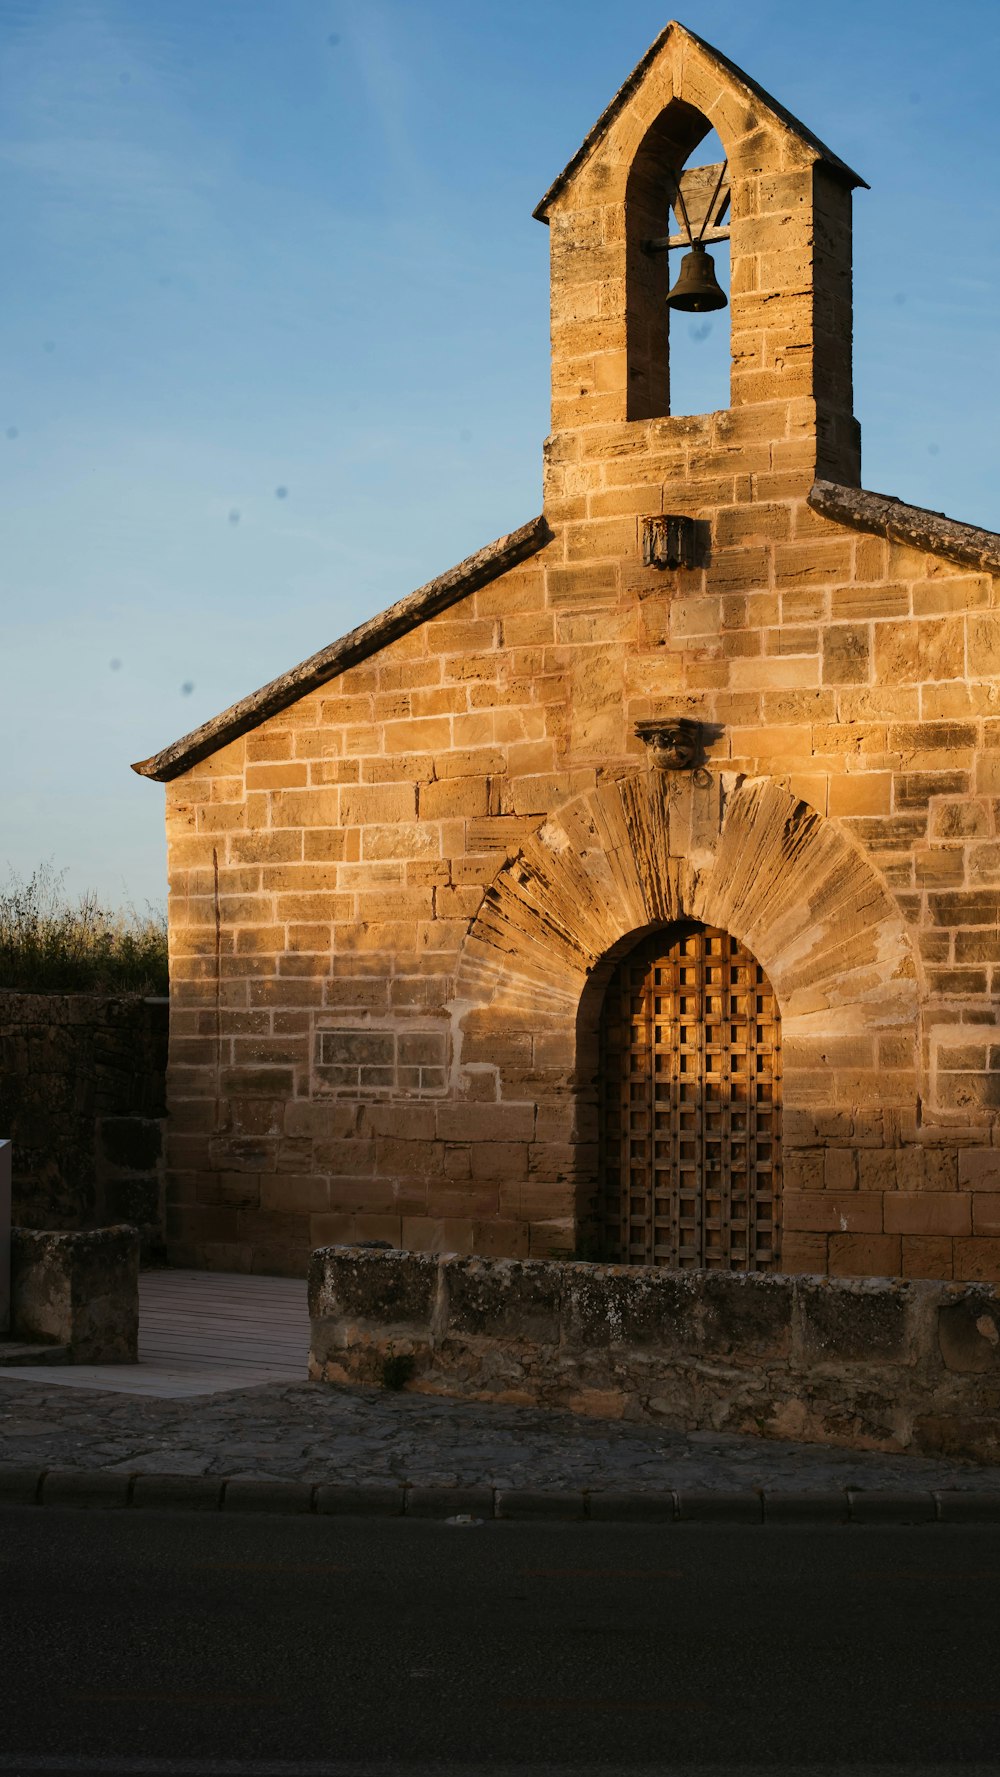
697, 288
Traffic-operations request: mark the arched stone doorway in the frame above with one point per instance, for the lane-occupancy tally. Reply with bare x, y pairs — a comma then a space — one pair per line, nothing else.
690, 1105
744, 856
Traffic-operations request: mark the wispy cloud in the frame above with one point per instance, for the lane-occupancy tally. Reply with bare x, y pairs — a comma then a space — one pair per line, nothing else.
93, 121
375, 36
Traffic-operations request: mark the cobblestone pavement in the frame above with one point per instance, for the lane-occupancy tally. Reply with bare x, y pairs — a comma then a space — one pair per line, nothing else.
316, 1432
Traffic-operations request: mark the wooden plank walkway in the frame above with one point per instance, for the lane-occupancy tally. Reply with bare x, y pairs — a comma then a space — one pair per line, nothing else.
201, 1332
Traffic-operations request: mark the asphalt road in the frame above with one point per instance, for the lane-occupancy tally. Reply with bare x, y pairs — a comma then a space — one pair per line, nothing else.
188, 1644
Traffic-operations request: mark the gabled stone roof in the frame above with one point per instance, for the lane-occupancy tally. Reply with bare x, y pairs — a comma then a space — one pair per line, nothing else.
918, 528
475, 571
737, 78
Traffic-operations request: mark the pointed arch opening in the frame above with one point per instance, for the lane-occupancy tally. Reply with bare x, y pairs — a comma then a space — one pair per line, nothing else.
678, 363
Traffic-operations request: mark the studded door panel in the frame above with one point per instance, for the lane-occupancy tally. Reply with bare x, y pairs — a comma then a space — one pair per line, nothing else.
691, 1086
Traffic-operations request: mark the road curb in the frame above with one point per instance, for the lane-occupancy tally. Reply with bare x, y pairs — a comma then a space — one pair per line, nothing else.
172, 1493
110, 1489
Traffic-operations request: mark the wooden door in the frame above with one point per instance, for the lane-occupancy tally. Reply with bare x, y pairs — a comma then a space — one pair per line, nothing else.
691, 1103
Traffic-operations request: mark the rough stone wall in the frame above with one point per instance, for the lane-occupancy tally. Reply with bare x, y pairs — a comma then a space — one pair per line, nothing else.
82, 1082
393, 902
873, 1364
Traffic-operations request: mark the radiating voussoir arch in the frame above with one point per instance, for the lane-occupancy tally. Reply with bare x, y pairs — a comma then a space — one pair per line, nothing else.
644, 850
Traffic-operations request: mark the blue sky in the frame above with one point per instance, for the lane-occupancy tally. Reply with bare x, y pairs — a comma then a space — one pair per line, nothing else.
274, 329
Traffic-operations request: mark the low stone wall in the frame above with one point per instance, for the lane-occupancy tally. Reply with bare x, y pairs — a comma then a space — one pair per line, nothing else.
82, 1097
80, 1290
872, 1364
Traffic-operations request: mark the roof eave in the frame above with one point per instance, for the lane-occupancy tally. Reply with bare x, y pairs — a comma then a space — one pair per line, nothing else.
914, 526
607, 117
437, 595
745, 81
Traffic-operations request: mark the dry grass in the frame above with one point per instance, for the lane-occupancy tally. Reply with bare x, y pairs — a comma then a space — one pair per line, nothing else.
50, 945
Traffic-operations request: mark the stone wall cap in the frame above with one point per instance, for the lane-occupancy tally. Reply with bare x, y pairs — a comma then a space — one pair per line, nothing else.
75, 1236
915, 526
359, 644
736, 76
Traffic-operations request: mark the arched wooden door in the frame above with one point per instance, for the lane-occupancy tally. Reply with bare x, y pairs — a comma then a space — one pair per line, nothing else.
691, 1105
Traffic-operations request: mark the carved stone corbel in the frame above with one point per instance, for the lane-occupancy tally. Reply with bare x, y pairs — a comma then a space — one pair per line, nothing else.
674, 742
669, 540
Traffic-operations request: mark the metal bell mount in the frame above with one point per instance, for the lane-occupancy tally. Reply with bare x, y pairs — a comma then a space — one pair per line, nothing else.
697, 289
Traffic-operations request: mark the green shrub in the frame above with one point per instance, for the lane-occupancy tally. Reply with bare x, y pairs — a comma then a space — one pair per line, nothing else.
50, 945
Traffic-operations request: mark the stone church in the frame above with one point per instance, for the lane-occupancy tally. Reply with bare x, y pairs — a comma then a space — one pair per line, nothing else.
633, 889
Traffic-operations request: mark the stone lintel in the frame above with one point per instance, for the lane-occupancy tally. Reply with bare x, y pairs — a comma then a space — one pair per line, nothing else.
437, 595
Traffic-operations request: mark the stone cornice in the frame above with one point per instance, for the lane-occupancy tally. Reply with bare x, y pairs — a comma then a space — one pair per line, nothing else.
477, 570
885, 516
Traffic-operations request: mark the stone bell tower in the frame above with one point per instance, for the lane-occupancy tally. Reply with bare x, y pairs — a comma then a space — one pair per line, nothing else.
788, 218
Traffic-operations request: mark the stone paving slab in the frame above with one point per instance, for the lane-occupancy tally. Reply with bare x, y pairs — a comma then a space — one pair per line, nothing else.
323, 1435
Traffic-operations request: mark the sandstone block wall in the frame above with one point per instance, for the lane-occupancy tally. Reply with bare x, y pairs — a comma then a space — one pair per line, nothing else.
82, 1097
344, 1062
872, 1364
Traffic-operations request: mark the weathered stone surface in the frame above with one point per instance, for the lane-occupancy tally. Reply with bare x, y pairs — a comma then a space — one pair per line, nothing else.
79, 1291
616, 1306
849, 1322
399, 1291
969, 1333
910, 525
504, 1298
874, 1364
745, 1314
